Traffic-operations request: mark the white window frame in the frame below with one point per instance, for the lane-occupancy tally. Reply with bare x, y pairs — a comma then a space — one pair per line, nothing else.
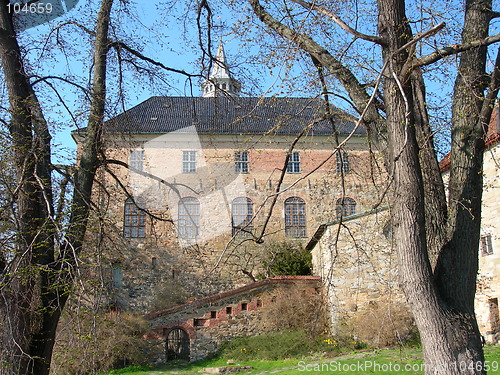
188, 161
241, 216
293, 165
134, 219
486, 244
345, 206
241, 162
295, 217
342, 162
188, 223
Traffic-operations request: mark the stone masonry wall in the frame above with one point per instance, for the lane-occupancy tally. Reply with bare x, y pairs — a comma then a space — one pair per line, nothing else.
358, 266
488, 281
215, 262
213, 320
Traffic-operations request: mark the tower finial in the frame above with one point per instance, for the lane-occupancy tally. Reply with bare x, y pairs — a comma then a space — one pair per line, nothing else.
220, 81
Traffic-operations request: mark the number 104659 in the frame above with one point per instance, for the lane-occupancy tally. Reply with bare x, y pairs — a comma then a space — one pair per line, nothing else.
38, 8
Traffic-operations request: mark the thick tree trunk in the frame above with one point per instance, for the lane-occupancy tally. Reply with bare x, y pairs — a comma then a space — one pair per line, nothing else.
36, 285
443, 310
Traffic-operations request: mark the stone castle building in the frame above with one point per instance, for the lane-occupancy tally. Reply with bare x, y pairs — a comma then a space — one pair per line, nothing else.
196, 190
488, 281
357, 262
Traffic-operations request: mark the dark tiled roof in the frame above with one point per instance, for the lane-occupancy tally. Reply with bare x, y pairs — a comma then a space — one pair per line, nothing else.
221, 115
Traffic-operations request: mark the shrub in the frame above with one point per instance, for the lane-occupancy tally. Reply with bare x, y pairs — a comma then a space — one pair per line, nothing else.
297, 310
90, 343
285, 258
382, 324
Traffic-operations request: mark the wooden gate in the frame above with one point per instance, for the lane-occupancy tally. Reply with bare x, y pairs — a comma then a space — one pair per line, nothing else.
177, 345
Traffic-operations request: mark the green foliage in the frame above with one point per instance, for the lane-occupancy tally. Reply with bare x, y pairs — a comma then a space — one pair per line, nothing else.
286, 344
286, 258
130, 369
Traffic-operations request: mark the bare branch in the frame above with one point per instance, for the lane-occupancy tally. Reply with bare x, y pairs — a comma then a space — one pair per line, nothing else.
152, 176
60, 26
46, 78
491, 95
341, 23
494, 14
59, 96
130, 196
136, 53
453, 50
355, 89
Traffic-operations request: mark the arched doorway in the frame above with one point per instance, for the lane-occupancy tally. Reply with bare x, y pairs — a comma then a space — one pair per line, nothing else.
177, 345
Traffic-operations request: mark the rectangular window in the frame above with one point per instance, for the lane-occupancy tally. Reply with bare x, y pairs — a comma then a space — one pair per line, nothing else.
229, 310
136, 160
293, 163
486, 245
134, 219
188, 161
244, 307
199, 322
342, 162
295, 217
241, 161
213, 314
259, 303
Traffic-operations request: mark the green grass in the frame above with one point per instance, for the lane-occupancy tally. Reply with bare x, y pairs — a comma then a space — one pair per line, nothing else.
285, 344
378, 362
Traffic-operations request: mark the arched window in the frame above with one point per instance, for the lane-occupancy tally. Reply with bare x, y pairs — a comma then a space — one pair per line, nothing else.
295, 217
134, 219
346, 206
189, 218
241, 214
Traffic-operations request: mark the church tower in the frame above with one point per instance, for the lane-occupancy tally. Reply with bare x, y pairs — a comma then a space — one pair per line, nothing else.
220, 82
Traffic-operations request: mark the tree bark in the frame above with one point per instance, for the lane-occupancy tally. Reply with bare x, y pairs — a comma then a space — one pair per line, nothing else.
36, 285
449, 335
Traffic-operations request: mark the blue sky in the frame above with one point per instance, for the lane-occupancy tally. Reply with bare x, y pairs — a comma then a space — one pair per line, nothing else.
165, 34
157, 35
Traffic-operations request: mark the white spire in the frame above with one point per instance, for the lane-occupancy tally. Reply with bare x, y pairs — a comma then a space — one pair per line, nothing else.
220, 81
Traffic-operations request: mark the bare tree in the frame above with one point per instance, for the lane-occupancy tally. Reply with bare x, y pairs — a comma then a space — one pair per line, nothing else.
438, 262
36, 282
